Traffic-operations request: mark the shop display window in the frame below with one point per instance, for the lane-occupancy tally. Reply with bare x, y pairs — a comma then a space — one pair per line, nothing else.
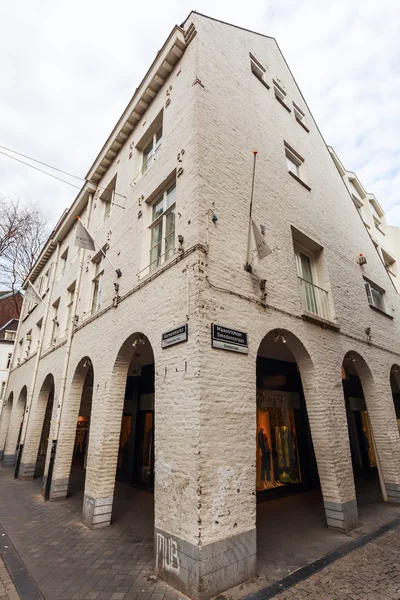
278, 461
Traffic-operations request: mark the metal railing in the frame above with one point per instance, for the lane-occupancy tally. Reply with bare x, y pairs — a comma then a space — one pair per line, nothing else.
314, 299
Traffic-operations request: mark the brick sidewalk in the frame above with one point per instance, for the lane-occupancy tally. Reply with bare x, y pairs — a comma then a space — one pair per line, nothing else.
7, 588
70, 562
369, 573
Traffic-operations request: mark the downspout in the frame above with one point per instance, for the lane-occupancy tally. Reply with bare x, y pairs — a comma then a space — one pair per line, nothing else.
36, 368
63, 382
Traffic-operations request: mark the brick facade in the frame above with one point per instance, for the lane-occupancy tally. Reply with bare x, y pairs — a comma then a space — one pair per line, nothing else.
215, 113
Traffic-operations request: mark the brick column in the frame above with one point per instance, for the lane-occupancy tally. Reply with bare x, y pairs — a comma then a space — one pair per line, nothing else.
102, 457
17, 415
329, 431
34, 430
381, 411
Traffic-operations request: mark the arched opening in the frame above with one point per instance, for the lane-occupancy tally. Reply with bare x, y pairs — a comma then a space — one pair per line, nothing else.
395, 385
355, 377
44, 412
135, 465
287, 480
5, 423
15, 428
82, 392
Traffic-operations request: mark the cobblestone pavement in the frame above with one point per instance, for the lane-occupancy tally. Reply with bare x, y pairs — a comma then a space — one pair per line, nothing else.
70, 562
369, 573
7, 588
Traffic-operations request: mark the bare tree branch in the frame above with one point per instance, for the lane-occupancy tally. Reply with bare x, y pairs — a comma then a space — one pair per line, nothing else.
23, 233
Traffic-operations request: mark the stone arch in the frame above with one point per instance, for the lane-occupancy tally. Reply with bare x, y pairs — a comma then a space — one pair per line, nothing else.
326, 414
104, 448
60, 476
14, 429
5, 422
38, 430
364, 413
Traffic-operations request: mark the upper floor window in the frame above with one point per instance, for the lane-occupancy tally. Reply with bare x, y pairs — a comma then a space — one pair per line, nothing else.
63, 262
162, 244
280, 95
258, 70
378, 225
107, 198
97, 282
295, 165
56, 325
375, 295
70, 303
2, 389
311, 272
10, 335
9, 358
300, 116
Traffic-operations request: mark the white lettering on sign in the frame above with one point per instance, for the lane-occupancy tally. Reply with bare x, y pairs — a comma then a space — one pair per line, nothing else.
167, 557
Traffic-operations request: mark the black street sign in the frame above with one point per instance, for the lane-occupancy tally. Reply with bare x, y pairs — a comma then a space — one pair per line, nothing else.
175, 336
226, 338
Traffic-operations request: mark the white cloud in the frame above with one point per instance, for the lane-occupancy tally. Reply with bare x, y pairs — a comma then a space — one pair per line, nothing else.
69, 68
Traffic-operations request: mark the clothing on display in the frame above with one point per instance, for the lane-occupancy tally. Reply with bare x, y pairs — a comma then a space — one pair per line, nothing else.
277, 456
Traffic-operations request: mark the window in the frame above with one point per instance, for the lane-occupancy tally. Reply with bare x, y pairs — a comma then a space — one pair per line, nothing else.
56, 325
163, 228
258, 70
390, 262
295, 165
40, 286
9, 358
151, 148
97, 283
375, 295
70, 304
108, 197
63, 262
312, 277
280, 95
10, 335
299, 116
2, 390
378, 225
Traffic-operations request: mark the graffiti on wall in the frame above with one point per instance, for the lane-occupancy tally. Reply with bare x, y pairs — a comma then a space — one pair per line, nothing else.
167, 557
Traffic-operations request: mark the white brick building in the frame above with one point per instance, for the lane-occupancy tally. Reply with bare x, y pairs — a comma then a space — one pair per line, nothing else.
168, 199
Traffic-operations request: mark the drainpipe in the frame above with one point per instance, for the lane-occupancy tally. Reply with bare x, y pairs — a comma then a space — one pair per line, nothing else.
63, 382
36, 368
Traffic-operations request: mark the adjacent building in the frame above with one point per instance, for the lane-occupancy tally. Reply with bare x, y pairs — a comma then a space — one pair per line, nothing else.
10, 308
170, 356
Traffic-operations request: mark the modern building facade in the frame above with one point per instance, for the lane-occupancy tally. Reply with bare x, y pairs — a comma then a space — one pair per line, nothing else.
187, 366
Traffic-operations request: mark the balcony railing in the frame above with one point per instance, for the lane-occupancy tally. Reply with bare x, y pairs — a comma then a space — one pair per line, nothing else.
314, 299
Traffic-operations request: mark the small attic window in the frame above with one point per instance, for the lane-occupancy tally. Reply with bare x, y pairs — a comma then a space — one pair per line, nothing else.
258, 70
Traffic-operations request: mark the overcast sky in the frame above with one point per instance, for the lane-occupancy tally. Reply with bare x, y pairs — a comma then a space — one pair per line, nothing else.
69, 68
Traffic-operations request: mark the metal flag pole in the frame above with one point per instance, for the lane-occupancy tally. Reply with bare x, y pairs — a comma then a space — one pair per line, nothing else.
118, 271
247, 266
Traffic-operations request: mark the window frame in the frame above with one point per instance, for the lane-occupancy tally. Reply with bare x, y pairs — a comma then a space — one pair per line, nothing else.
300, 116
155, 146
162, 219
7, 335
9, 359
293, 156
258, 70
2, 389
97, 283
369, 286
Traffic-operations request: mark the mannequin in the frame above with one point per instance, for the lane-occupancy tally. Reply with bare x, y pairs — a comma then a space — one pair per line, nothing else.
263, 445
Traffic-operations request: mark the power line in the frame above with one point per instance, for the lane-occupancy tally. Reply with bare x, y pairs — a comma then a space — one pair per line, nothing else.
50, 167
40, 170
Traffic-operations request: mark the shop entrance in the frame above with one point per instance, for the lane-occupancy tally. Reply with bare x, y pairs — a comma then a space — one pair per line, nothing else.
285, 460
136, 448
45, 400
362, 445
79, 457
